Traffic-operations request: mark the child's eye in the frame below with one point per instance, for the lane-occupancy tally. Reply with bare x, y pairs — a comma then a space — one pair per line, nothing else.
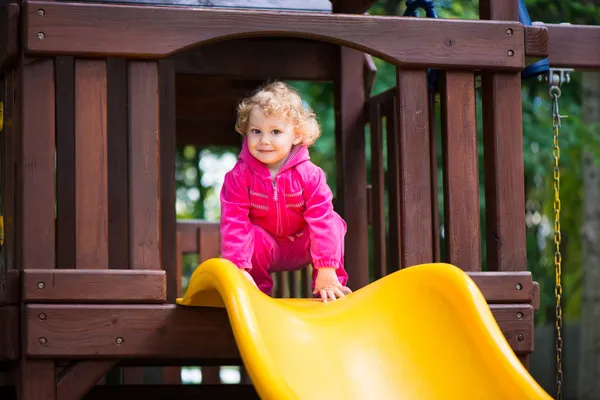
255, 131
276, 132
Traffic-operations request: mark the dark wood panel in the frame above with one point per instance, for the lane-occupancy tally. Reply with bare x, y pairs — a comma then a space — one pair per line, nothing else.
9, 333
79, 377
506, 287
37, 380
503, 158
159, 392
208, 132
461, 171
159, 31
574, 46
351, 164
189, 233
8, 154
96, 285
37, 165
144, 165
295, 5
129, 331
412, 131
91, 160
9, 34
11, 292
297, 59
172, 332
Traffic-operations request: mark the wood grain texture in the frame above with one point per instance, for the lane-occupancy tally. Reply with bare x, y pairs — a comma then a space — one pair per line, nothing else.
12, 283
412, 109
9, 34
574, 46
78, 378
160, 31
9, 333
144, 165
177, 333
94, 286
37, 165
91, 160
461, 172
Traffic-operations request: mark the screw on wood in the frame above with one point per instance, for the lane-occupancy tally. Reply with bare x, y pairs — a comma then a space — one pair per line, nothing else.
42, 316
518, 286
519, 315
41, 35
510, 53
41, 285
43, 340
509, 32
520, 337
41, 12
119, 340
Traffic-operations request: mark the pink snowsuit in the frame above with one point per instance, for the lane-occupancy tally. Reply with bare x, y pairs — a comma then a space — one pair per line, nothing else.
282, 224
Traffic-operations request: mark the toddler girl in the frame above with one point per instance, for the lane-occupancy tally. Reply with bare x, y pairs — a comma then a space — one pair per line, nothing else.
276, 208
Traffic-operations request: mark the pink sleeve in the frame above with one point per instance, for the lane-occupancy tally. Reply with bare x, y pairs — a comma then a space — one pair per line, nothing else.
237, 233
326, 229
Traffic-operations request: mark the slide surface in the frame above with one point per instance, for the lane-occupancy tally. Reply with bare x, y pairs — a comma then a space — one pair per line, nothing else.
425, 332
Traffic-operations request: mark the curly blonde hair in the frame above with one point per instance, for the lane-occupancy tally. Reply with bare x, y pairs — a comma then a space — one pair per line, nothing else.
280, 99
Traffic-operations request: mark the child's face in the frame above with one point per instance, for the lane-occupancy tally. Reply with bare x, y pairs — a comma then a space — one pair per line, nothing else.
270, 138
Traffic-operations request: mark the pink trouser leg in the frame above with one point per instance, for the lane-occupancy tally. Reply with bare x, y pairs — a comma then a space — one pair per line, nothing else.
266, 250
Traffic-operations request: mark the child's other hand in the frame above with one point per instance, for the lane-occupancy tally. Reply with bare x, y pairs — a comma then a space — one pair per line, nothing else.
247, 275
328, 285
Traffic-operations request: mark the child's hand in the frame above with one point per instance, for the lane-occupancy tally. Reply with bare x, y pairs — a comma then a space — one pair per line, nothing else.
328, 285
247, 275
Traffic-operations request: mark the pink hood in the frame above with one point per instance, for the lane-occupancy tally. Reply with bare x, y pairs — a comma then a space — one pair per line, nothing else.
297, 197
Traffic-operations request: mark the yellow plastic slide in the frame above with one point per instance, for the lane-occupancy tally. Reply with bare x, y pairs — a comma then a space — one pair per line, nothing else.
425, 332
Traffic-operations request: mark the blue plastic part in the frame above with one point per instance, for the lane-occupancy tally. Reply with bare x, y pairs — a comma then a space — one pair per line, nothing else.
541, 66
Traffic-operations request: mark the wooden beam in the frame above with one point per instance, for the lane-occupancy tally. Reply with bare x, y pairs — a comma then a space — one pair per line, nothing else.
9, 34
11, 292
292, 5
207, 132
574, 46
297, 59
159, 392
9, 333
173, 332
149, 32
76, 380
94, 285
505, 287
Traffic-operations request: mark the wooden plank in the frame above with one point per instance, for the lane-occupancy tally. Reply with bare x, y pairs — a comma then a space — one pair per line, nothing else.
144, 165
130, 331
168, 188
505, 287
10, 158
503, 159
36, 380
91, 153
297, 59
393, 185
189, 230
65, 162
94, 285
574, 46
148, 32
412, 109
160, 392
9, 34
172, 332
118, 164
351, 164
295, 5
77, 379
12, 285
204, 132
378, 192
37, 165
9, 333
536, 42
461, 173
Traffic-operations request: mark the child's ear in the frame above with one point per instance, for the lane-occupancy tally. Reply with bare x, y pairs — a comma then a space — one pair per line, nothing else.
297, 139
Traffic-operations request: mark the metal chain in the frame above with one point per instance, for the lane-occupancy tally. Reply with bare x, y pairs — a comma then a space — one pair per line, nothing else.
556, 117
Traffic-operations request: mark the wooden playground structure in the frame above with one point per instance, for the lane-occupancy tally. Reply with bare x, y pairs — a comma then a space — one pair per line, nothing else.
96, 99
